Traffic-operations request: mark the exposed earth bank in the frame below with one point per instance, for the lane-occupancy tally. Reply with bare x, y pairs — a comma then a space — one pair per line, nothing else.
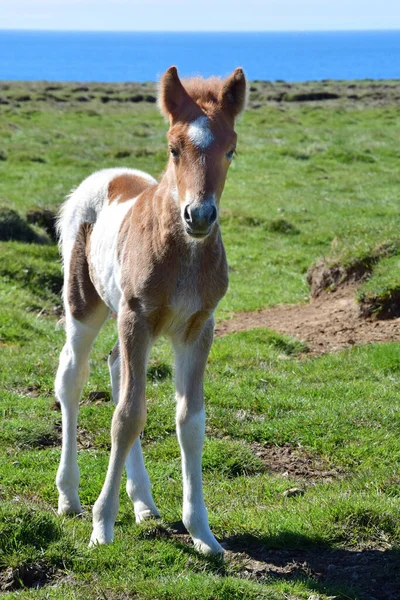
328, 323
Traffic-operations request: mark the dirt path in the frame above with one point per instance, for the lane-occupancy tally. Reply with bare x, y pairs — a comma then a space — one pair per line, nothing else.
326, 324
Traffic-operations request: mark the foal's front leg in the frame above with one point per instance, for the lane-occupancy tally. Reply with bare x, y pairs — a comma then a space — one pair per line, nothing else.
138, 485
128, 420
190, 361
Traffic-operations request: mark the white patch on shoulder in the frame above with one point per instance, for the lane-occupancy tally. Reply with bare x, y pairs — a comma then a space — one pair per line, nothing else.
199, 132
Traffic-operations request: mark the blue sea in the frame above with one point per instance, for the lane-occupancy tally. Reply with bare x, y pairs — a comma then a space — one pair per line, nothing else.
108, 56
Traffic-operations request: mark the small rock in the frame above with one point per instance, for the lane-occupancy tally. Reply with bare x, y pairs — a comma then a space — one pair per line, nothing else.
16, 464
293, 492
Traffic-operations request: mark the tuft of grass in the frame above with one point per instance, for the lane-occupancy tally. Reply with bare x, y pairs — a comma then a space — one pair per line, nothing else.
159, 371
282, 226
362, 525
27, 527
230, 458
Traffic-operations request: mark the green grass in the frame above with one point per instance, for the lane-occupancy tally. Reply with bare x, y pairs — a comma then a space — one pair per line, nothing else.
309, 182
328, 175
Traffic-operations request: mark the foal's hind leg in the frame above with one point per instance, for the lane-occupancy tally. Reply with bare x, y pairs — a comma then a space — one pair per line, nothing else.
72, 374
138, 485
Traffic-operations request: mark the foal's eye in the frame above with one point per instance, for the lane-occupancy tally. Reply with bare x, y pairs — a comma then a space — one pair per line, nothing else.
174, 152
229, 155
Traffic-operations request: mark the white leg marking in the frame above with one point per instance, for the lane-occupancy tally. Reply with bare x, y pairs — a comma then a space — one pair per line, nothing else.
138, 483
72, 374
190, 423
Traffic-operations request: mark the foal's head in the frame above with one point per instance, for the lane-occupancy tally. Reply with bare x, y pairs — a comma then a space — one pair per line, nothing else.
201, 141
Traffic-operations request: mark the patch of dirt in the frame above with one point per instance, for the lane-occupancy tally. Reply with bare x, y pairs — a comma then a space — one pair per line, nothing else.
47, 439
32, 391
296, 463
84, 439
327, 323
176, 531
322, 277
99, 396
366, 575
28, 575
52, 439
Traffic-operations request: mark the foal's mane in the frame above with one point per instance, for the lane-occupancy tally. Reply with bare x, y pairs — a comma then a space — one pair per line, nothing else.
204, 91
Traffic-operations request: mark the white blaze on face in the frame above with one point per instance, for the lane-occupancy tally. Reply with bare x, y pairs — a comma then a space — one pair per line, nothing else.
200, 134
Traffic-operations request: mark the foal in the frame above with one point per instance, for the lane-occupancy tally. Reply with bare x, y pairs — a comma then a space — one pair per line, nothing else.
152, 253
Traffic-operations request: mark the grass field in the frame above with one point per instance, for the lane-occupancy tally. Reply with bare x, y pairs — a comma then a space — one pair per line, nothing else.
313, 179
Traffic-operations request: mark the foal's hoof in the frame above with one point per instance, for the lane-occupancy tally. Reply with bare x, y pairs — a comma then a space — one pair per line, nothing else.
145, 515
100, 538
69, 506
211, 547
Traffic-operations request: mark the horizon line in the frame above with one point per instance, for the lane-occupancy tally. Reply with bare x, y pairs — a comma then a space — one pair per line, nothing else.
61, 30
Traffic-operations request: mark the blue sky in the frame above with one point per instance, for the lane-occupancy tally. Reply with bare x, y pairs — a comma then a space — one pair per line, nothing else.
200, 15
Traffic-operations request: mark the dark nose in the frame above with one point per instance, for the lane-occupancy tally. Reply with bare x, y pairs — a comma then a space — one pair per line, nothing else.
200, 217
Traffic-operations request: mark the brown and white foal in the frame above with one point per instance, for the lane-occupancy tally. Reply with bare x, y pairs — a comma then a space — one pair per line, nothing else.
152, 253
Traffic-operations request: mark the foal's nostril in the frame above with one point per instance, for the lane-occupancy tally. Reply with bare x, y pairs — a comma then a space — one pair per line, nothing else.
213, 215
199, 217
186, 214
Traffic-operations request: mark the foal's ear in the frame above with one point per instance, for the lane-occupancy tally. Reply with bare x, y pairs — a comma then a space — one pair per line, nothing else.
172, 95
233, 95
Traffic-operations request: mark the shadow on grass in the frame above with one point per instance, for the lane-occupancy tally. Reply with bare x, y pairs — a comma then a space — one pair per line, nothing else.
370, 574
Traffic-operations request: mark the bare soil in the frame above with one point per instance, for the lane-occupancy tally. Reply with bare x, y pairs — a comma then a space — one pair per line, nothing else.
328, 323
296, 463
28, 575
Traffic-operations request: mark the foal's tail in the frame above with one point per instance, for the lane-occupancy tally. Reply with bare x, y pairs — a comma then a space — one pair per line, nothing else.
83, 205
81, 209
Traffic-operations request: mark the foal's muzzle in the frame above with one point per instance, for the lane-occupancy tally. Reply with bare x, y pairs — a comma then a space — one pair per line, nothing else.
200, 217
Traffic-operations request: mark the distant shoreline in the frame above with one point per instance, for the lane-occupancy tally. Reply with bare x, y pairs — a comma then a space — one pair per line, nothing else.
204, 32
17, 94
